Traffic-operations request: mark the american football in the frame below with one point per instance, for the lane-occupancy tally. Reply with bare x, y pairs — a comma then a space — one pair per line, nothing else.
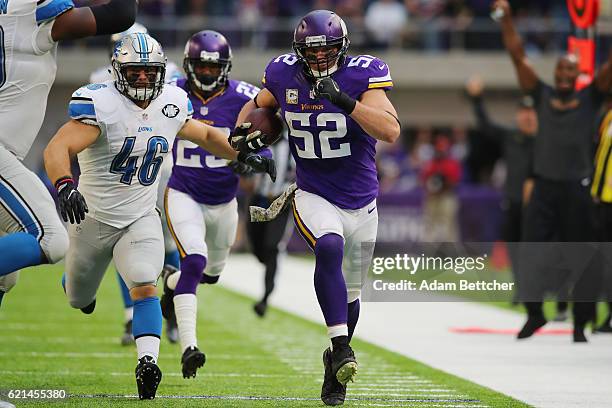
268, 121
357, 205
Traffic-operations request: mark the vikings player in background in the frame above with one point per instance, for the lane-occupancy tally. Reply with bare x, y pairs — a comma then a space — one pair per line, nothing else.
336, 108
200, 202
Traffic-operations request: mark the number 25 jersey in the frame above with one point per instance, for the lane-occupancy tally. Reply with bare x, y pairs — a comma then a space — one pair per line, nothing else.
119, 172
334, 156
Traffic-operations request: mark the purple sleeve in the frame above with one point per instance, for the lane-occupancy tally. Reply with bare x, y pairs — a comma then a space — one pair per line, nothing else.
378, 76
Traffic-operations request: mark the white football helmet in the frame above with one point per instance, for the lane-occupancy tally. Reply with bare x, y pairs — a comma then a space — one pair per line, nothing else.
138, 50
136, 28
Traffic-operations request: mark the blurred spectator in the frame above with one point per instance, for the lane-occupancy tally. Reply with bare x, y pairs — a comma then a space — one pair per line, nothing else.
427, 11
249, 18
439, 177
384, 21
421, 150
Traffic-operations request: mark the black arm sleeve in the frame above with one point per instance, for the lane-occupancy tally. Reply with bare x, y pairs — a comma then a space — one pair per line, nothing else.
115, 16
490, 129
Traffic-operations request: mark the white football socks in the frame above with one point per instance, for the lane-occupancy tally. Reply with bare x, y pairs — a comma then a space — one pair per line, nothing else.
337, 330
185, 307
148, 346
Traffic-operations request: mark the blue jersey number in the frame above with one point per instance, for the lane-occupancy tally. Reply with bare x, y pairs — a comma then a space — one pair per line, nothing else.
127, 165
2, 56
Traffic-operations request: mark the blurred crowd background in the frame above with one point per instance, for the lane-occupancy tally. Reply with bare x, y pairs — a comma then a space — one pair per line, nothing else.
442, 150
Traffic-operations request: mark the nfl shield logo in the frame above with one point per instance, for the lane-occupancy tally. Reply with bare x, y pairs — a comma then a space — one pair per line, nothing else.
291, 96
204, 110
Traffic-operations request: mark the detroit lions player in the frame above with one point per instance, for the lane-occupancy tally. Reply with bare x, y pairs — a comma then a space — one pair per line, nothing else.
31, 232
201, 198
336, 108
103, 74
122, 130
173, 73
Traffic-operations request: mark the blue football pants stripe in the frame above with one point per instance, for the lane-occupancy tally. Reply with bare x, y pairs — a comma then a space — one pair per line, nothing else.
14, 204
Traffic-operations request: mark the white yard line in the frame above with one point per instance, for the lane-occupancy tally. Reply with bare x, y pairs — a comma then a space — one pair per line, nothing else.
546, 371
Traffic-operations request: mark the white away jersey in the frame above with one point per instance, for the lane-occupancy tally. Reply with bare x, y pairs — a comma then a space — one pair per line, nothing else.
119, 172
27, 68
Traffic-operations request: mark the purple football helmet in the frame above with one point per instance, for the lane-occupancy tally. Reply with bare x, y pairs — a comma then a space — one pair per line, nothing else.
207, 49
320, 42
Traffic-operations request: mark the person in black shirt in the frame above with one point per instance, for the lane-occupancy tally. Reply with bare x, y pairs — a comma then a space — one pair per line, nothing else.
517, 147
560, 206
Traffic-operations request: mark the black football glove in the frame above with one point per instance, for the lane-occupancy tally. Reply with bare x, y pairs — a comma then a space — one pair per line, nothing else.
240, 168
72, 205
329, 89
259, 164
243, 140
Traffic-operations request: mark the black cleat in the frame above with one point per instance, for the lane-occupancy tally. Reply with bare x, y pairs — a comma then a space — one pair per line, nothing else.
260, 308
578, 334
343, 363
89, 308
192, 359
532, 324
332, 392
127, 338
605, 327
148, 377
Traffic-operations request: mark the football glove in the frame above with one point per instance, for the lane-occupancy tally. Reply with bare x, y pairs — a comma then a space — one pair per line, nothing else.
240, 168
259, 164
328, 88
72, 205
243, 140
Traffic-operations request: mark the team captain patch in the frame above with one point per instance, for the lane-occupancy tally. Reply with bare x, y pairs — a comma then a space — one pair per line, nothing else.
291, 96
170, 110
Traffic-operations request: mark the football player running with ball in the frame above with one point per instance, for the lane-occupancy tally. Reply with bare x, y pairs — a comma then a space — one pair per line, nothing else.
336, 108
122, 130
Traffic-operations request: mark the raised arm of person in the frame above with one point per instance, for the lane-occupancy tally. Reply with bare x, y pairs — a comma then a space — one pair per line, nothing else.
603, 78
111, 17
215, 141
70, 139
527, 77
474, 88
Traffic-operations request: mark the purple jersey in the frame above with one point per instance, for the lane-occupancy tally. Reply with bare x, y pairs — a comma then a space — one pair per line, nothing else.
334, 156
206, 178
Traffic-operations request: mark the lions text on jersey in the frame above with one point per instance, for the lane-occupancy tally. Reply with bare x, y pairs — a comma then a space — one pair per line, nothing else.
119, 171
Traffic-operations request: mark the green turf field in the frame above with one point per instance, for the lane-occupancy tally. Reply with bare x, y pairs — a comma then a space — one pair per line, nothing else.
272, 362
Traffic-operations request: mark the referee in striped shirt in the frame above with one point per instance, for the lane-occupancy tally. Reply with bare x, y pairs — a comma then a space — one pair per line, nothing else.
601, 191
